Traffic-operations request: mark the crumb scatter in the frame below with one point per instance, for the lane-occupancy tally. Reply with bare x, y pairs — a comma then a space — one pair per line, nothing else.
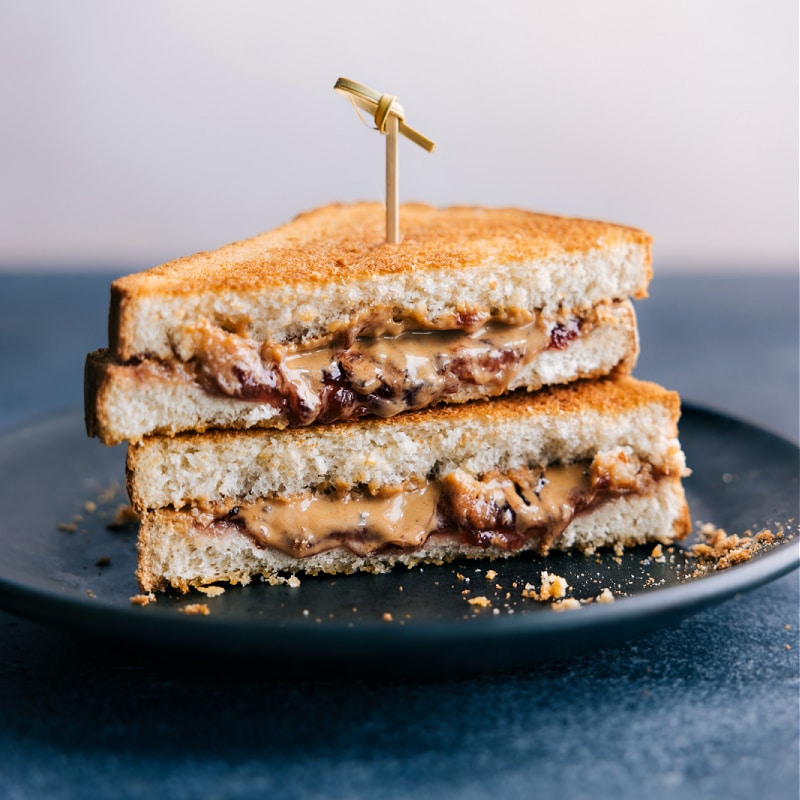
143, 599
606, 596
211, 591
196, 609
552, 587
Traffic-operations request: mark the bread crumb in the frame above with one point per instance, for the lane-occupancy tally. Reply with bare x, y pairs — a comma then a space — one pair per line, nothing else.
68, 527
567, 604
90, 506
788, 646
196, 608
552, 587
605, 596
490, 574
722, 550
387, 617
479, 602
211, 591
143, 599
293, 581
90, 593
657, 552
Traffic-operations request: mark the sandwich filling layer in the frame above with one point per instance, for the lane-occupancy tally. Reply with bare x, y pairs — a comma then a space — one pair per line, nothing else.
380, 367
504, 509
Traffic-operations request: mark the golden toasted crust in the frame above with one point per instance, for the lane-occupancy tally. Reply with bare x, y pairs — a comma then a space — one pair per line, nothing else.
613, 395
341, 242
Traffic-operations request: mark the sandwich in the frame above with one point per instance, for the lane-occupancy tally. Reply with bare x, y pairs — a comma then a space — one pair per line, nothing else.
586, 465
314, 400
320, 321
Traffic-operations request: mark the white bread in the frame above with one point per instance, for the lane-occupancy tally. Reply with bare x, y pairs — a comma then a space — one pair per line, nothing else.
130, 402
329, 266
170, 478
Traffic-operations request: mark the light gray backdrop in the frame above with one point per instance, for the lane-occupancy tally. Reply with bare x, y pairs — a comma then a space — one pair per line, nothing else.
135, 131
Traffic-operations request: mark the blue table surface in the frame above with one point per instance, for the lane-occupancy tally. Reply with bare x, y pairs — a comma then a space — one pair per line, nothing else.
705, 709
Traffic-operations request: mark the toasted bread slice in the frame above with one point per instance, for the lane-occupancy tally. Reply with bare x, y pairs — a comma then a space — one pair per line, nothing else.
330, 266
454, 480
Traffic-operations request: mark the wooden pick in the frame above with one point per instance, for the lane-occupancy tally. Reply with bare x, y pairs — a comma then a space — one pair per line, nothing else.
389, 120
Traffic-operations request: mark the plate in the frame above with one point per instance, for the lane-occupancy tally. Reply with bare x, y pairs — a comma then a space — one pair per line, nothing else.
69, 562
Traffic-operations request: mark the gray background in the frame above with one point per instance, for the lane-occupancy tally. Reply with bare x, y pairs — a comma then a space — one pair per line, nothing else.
137, 131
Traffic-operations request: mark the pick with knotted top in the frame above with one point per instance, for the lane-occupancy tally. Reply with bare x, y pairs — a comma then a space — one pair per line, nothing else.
389, 120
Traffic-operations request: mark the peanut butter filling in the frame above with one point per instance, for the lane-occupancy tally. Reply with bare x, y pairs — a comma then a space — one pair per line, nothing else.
381, 368
505, 510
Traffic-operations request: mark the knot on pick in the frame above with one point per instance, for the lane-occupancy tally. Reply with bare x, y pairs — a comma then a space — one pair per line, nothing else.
387, 104
380, 107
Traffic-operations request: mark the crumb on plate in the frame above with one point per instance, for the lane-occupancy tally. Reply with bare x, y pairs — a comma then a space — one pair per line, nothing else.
143, 599
201, 609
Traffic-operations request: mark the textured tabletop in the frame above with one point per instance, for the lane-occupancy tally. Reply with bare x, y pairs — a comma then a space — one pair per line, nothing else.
707, 709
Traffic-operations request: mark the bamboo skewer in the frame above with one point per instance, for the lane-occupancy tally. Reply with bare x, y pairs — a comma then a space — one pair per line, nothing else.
389, 120
392, 183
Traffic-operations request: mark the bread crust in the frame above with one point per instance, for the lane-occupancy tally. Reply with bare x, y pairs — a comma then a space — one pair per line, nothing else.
332, 264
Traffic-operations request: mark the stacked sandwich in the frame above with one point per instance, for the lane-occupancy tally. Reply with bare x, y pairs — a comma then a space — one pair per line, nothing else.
316, 400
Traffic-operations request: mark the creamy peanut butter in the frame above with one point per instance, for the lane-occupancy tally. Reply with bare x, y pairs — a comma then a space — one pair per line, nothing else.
399, 368
505, 510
